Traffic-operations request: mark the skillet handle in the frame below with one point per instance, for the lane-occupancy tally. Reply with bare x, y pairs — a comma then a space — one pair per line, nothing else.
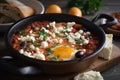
112, 20
6, 59
5, 64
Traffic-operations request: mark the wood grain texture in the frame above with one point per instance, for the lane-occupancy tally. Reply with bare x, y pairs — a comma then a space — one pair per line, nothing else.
102, 65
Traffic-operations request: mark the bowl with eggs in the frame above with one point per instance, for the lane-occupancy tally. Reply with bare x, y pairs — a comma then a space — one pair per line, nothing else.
56, 43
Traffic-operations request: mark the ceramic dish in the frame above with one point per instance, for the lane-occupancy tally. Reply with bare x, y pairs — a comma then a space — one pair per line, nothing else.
36, 5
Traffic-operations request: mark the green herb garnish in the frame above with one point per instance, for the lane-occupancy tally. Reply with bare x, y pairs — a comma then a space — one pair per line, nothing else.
78, 41
54, 45
36, 44
43, 33
23, 33
49, 51
55, 58
58, 34
65, 36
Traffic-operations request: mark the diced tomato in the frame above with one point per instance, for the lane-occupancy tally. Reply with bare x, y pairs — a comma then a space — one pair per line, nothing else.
43, 50
74, 30
77, 26
28, 29
93, 42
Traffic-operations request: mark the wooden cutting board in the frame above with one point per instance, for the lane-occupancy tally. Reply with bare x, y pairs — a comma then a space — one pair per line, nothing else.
102, 65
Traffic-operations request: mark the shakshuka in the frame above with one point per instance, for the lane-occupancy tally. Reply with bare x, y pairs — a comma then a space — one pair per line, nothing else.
55, 41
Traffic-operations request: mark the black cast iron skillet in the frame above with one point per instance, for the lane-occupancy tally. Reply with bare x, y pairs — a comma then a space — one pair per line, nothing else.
34, 66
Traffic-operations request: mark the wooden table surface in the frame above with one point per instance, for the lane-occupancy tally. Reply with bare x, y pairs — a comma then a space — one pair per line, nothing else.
108, 7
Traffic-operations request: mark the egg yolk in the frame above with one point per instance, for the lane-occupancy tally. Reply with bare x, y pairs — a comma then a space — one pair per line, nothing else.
63, 52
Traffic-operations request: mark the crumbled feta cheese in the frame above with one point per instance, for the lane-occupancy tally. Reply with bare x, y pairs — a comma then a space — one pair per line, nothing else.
71, 35
85, 41
41, 37
53, 35
80, 31
66, 34
52, 23
47, 39
70, 39
32, 47
55, 40
69, 28
37, 49
44, 44
47, 26
29, 38
22, 38
39, 56
54, 27
90, 75
77, 35
81, 44
21, 51
82, 37
70, 24
31, 31
27, 54
60, 41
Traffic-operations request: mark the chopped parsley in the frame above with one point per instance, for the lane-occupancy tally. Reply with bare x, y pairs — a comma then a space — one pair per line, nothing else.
23, 33
65, 36
49, 51
36, 44
55, 58
57, 34
54, 45
78, 41
43, 33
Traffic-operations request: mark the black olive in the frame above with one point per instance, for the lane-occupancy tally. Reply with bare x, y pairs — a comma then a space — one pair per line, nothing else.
23, 45
79, 54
